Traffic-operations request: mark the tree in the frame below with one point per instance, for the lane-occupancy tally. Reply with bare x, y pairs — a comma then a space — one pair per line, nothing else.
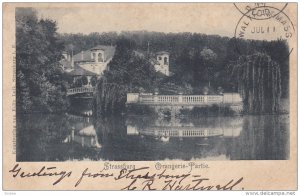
23, 96
128, 73
40, 84
208, 58
258, 79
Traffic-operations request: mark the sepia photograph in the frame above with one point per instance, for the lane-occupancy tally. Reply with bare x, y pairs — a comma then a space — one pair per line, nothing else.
196, 84
146, 95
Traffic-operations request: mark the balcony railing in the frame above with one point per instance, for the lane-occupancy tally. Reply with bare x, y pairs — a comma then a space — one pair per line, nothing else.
78, 90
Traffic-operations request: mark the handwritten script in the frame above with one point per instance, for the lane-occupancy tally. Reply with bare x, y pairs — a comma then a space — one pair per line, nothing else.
142, 178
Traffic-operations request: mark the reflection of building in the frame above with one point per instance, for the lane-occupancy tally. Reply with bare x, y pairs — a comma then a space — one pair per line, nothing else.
176, 131
87, 137
231, 128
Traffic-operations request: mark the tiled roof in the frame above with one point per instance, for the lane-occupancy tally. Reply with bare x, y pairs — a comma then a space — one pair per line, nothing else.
85, 56
162, 52
102, 47
78, 71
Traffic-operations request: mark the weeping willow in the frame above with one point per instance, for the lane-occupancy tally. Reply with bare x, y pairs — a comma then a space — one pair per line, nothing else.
110, 98
258, 81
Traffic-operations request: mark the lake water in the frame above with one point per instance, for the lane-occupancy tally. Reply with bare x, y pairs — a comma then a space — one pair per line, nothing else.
68, 137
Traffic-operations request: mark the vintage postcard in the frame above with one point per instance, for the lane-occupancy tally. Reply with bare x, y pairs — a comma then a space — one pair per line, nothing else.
150, 96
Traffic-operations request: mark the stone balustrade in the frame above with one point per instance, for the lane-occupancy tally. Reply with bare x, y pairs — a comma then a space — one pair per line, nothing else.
229, 98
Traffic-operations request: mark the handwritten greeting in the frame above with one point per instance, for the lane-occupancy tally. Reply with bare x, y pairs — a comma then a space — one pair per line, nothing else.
142, 178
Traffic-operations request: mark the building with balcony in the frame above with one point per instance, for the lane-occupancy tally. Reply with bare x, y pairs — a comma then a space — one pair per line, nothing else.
86, 66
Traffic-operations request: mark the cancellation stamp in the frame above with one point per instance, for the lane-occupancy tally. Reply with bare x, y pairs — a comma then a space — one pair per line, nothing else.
260, 11
274, 26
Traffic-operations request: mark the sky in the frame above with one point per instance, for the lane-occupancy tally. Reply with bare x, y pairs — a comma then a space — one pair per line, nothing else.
164, 17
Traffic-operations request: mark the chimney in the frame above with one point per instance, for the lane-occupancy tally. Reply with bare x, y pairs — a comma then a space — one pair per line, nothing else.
81, 55
72, 60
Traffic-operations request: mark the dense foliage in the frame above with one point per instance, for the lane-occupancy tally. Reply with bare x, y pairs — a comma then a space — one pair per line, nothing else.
40, 83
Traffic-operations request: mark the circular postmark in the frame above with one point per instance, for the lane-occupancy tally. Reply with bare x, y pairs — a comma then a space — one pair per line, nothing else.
260, 11
277, 27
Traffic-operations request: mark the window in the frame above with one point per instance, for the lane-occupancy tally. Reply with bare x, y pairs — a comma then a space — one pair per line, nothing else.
166, 61
100, 57
159, 58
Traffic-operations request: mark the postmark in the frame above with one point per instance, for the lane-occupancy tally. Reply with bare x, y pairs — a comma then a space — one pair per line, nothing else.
260, 11
276, 27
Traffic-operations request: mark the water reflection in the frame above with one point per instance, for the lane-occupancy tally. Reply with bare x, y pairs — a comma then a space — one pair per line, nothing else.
206, 127
69, 137
86, 137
